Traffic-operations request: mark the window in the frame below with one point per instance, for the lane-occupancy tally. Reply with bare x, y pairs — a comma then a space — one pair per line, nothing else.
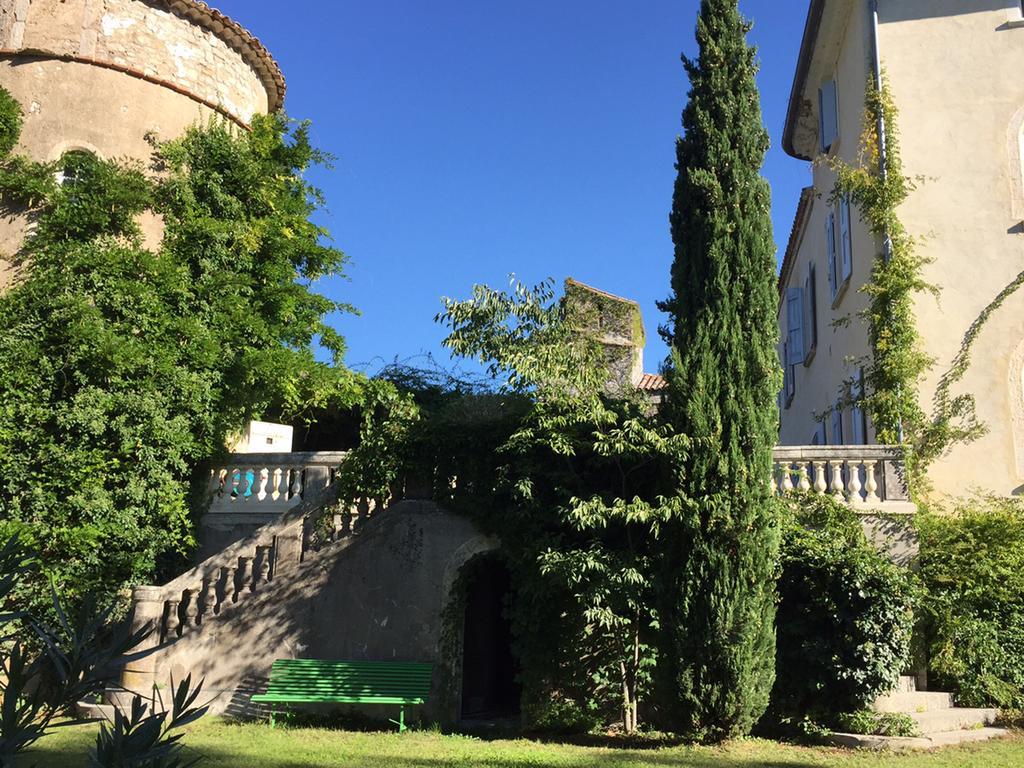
837, 423
818, 438
857, 415
794, 326
810, 318
828, 115
74, 166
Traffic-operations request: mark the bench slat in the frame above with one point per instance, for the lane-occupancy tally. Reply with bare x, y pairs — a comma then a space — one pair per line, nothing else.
366, 682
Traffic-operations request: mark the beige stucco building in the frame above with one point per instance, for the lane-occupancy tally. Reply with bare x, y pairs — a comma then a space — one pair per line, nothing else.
103, 75
953, 67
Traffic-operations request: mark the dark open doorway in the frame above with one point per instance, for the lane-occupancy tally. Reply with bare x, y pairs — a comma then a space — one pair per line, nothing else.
489, 687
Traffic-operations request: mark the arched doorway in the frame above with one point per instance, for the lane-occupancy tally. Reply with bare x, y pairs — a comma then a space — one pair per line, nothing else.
489, 668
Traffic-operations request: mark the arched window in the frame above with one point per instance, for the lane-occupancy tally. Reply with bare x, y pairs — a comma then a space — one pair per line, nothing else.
74, 167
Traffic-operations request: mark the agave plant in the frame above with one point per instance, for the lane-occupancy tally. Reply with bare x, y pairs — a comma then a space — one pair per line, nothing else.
45, 669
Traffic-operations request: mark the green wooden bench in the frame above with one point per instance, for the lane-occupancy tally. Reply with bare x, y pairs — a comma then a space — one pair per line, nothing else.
311, 681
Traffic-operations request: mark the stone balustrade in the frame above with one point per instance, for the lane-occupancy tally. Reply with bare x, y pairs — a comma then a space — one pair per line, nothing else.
269, 482
867, 477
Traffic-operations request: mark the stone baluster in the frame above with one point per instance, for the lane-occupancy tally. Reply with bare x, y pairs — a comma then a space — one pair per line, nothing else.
787, 478
262, 575
244, 577
804, 481
172, 623
855, 486
250, 483
838, 488
216, 483
296, 486
870, 483
207, 599
260, 478
276, 491
191, 599
227, 597
347, 516
148, 609
820, 486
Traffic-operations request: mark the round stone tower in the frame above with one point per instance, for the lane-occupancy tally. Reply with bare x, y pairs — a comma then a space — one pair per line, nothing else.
100, 75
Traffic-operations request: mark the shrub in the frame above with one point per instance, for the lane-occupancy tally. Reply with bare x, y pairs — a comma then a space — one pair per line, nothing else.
972, 568
845, 615
869, 722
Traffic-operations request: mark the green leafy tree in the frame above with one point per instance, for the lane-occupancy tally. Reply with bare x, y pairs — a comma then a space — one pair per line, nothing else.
124, 366
717, 666
585, 476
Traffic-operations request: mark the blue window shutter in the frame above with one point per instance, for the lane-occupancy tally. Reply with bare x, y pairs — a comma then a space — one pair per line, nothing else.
859, 420
837, 424
794, 326
810, 312
846, 237
828, 115
830, 252
819, 434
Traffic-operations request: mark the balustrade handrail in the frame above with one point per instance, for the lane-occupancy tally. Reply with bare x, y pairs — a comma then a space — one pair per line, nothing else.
291, 459
837, 452
864, 476
290, 522
259, 482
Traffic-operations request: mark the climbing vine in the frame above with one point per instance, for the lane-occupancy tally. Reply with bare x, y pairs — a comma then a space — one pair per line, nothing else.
877, 185
123, 366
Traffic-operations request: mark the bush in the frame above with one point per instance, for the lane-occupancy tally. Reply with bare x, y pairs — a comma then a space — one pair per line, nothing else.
972, 567
871, 723
845, 616
559, 716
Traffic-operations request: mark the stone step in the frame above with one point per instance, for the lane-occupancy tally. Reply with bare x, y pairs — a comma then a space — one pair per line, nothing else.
930, 741
953, 719
907, 684
914, 701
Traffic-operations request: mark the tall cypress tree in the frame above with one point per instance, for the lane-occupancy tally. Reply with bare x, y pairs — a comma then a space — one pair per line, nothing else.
716, 665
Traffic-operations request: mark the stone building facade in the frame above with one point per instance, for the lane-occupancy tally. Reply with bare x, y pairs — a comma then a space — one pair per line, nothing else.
105, 75
953, 69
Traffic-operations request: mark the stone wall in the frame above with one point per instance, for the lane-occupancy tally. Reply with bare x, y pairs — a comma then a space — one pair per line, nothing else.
380, 595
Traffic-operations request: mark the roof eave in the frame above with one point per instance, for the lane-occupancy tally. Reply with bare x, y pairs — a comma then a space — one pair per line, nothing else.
803, 65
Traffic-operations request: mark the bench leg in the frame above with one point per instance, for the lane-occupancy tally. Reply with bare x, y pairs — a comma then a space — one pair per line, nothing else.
272, 717
401, 720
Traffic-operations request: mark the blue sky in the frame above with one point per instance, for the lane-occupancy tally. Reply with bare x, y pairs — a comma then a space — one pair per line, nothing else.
477, 139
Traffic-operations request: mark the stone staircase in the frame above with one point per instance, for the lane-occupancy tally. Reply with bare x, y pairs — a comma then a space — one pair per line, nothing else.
215, 591
940, 723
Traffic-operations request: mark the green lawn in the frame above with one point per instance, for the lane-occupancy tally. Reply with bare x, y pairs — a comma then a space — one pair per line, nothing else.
225, 744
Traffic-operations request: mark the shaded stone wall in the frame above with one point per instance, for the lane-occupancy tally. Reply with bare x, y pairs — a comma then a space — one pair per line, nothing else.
378, 596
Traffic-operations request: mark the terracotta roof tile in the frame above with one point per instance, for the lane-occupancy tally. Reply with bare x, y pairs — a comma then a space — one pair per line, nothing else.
652, 382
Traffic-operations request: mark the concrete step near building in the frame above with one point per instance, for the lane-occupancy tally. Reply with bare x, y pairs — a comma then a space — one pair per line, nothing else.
957, 718
907, 684
939, 722
929, 741
914, 701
